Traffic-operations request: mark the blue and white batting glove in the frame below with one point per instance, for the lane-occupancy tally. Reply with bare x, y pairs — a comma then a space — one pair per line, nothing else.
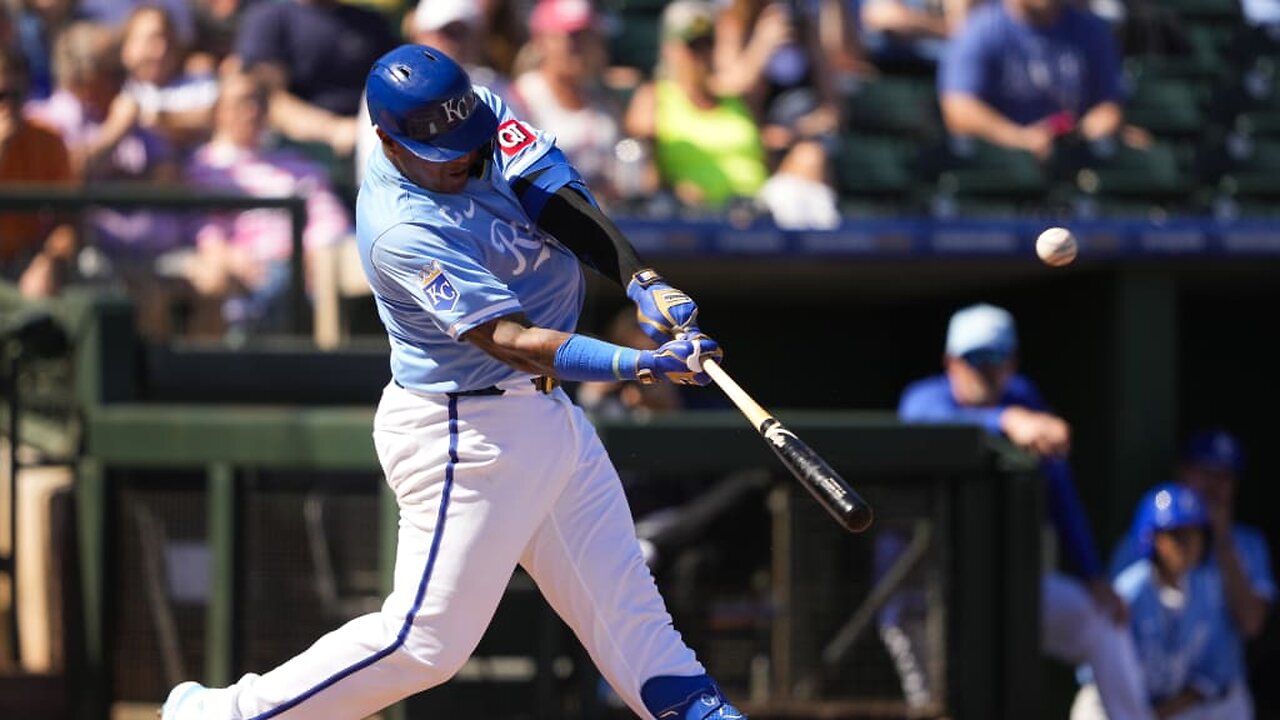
679, 361
663, 311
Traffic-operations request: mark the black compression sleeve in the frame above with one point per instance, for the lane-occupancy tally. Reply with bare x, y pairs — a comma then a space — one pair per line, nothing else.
588, 233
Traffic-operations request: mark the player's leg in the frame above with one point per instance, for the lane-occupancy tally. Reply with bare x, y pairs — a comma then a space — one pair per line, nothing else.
1074, 630
458, 544
588, 564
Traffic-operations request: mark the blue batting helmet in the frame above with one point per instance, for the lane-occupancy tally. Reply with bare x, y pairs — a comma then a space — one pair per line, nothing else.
1166, 507
424, 101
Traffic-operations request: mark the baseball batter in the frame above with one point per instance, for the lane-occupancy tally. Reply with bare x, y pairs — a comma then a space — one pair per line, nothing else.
473, 231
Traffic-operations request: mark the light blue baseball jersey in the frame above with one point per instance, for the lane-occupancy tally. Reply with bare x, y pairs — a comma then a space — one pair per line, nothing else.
1182, 638
440, 264
1251, 545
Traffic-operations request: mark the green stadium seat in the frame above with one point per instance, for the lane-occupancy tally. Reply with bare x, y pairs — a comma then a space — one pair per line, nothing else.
878, 172
972, 177
898, 105
1253, 172
1224, 12
1167, 105
1127, 177
1253, 101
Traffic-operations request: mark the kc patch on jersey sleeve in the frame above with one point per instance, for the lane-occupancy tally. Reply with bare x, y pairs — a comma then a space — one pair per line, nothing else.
440, 293
514, 136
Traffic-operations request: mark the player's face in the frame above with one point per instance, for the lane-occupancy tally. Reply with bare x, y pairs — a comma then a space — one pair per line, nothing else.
1179, 550
978, 384
441, 177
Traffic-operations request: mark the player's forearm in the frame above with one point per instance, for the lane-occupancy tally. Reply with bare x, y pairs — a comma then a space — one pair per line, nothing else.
590, 235
1248, 610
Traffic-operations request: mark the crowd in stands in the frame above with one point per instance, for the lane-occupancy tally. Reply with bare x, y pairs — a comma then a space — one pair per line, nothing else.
806, 112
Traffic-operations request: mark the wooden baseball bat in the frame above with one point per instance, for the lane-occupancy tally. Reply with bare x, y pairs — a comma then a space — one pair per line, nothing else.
835, 495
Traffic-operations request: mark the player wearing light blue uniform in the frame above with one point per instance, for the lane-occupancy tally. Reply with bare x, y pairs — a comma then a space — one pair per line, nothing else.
1237, 569
474, 231
1180, 626
1081, 618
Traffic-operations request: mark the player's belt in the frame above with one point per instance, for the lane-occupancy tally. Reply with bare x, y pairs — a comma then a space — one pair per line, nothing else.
543, 384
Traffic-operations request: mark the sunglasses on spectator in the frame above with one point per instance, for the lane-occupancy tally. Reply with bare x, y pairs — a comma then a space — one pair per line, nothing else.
8, 94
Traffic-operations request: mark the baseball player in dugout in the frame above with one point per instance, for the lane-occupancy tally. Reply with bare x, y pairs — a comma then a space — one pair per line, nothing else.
1082, 619
474, 232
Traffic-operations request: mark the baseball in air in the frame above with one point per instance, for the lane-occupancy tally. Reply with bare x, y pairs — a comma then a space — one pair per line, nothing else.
1056, 246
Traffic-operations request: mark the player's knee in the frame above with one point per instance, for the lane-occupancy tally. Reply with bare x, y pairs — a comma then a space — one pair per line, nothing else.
686, 698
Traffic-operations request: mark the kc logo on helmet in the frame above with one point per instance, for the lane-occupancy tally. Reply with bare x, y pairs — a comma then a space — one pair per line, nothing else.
514, 136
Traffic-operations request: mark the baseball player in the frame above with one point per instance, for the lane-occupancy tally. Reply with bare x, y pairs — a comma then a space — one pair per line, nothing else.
1238, 558
473, 232
1177, 620
1081, 617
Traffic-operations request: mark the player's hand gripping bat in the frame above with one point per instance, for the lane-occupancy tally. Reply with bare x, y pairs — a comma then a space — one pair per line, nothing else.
836, 496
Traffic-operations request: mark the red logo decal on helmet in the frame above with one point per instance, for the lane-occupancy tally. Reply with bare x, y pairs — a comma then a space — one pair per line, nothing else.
514, 136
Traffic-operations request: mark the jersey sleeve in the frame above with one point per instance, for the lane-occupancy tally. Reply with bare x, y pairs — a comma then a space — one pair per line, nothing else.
441, 272
517, 144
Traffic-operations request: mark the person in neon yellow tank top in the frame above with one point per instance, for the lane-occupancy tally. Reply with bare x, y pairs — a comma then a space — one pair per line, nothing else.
707, 147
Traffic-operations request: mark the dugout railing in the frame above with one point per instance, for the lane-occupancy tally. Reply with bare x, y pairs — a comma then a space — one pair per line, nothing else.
231, 509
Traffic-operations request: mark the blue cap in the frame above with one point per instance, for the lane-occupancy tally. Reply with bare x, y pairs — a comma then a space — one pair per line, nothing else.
982, 333
1167, 506
1215, 447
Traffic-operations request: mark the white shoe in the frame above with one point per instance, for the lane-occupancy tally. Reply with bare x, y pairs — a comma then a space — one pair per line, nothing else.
185, 702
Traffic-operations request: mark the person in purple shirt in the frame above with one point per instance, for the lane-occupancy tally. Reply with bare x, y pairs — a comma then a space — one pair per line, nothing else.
1021, 73
1082, 618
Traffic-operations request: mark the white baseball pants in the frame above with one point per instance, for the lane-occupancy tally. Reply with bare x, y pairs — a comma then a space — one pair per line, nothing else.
484, 483
1074, 630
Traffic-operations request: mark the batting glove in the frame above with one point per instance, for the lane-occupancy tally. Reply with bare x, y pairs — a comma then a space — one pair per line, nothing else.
679, 361
663, 311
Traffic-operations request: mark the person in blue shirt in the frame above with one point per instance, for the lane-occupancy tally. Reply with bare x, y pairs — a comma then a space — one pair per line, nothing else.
1239, 559
1082, 618
1021, 73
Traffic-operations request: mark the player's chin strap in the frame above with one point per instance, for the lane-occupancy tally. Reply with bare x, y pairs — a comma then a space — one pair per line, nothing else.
668, 697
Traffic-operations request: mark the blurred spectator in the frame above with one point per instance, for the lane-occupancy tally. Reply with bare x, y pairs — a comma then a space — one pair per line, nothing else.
35, 248
908, 35
457, 27
244, 257
8, 27
106, 144
504, 23
1081, 617
169, 100
115, 13
39, 22
213, 39
1022, 73
1177, 620
562, 93
313, 55
707, 146
772, 54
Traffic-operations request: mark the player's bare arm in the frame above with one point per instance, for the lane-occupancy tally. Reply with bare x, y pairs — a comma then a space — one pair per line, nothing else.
517, 342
